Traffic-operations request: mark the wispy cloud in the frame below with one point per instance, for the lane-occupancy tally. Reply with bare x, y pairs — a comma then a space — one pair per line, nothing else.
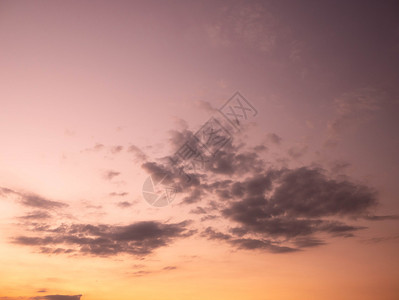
32, 200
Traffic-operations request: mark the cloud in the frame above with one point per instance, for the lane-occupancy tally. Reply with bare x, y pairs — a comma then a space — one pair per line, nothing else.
124, 204
253, 244
96, 148
274, 138
40, 202
193, 197
247, 243
294, 203
305, 242
57, 297
268, 208
380, 239
113, 194
139, 154
37, 215
198, 210
206, 106
109, 175
6, 191
116, 149
297, 151
32, 200
138, 239
45, 297
148, 272
382, 218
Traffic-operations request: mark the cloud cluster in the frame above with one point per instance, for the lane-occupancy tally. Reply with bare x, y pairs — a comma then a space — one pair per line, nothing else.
264, 207
138, 239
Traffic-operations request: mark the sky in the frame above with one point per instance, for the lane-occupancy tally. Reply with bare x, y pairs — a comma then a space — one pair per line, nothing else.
199, 150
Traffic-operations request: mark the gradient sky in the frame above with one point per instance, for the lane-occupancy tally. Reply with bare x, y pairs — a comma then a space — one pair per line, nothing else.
302, 203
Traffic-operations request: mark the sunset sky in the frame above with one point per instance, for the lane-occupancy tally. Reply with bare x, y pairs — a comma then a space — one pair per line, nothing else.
297, 197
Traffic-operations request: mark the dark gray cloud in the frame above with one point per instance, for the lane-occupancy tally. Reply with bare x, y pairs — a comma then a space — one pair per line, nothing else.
295, 205
265, 207
305, 242
139, 239
45, 297
247, 243
253, 244
382, 218
194, 196
32, 200
40, 202
57, 297
36, 215
124, 204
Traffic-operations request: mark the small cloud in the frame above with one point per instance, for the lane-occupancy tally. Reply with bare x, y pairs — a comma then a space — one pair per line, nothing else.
305, 242
116, 149
57, 297
40, 202
122, 194
380, 239
198, 210
109, 175
68, 132
206, 106
37, 215
96, 148
382, 218
274, 138
260, 148
32, 200
124, 204
139, 154
297, 151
